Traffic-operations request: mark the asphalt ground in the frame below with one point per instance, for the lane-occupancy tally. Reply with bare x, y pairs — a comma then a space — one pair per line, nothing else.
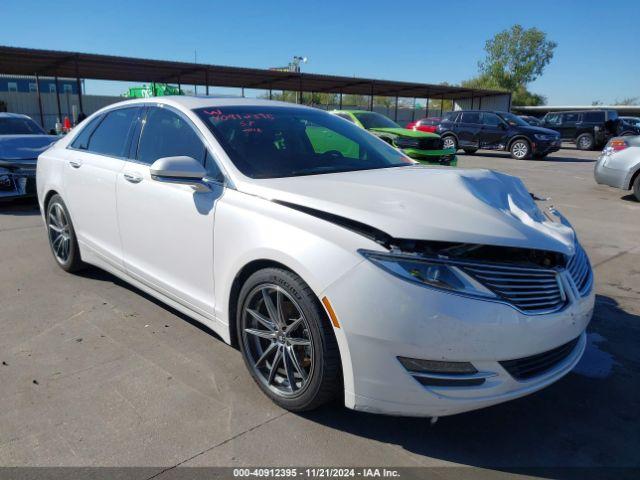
96, 373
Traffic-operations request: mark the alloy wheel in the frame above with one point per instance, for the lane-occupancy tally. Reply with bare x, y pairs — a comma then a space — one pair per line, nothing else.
520, 150
59, 232
277, 340
449, 143
585, 143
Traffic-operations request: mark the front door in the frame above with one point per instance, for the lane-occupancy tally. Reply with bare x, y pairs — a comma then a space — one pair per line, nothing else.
94, 161
468, 128
167, 228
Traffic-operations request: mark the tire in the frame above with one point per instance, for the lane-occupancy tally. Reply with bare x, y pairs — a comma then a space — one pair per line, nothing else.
62, 236
300, 348
470, 151
449, 141
636, 187
520, 149
585, 141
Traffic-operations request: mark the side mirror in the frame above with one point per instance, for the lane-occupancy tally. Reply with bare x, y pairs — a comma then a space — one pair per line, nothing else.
181, 170
503, 126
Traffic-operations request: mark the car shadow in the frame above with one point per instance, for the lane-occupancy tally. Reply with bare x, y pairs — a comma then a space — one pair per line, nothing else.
630, 198
20, 207
586, 420
550, 158
97, 274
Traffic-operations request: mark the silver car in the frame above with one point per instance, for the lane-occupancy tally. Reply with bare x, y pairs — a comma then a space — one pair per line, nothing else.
619, 164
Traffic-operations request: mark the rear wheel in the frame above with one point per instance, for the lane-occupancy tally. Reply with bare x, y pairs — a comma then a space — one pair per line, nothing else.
287, 341
62, 236
450, 142
585, 142
470, 151
520, 149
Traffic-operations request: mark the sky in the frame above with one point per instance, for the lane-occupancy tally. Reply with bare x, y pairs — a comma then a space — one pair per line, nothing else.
431, 42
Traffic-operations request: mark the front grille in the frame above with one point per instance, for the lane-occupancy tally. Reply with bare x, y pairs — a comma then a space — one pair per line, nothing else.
529, 367
532, 290
580, 270
429, 143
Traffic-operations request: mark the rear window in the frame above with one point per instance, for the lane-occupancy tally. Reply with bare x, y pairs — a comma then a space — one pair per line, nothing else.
595, 117
19, 126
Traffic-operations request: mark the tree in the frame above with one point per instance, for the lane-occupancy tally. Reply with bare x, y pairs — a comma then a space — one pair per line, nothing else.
627, 101
515, 57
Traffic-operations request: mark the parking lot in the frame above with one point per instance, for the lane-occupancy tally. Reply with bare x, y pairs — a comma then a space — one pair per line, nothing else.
94, 372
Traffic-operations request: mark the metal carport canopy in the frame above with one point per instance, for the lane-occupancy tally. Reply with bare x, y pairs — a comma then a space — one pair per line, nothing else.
25, 61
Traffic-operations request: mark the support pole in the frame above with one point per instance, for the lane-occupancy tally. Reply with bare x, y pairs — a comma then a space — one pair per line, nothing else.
427, 108
441, 105
341, 100
206, 81
79, 88
413, 110
55, 79
40, 101
270, 94
242, 92
395, 114
371, 99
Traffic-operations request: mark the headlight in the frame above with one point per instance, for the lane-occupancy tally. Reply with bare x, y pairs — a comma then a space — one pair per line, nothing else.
434, 273
544, 137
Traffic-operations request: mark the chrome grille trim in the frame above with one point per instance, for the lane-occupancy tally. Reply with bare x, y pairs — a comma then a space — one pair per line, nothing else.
580, 270
531, 290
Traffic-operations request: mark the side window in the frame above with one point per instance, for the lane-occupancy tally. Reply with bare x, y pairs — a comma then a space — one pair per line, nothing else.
595, 117
166, 134
552, 119
471, 117
570, 117
490, 119
112, 136
81, 142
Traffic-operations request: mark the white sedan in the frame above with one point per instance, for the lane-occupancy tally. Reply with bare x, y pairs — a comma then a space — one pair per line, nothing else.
335, 263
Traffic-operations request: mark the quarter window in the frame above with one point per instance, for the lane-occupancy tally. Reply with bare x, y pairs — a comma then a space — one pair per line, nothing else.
113, 135
594, 117
166, 134
81, 142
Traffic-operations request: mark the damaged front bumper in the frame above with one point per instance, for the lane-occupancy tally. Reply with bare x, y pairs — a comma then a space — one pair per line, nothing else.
17, 180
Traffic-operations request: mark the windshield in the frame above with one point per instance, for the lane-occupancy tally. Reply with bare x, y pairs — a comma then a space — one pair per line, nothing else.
513, 120
375, 120
270, 142
19, 126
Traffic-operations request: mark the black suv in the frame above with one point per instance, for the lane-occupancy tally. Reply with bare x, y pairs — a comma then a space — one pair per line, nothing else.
473, 129
589, 129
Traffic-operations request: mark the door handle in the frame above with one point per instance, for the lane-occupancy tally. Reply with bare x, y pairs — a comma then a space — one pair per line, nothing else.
75, 163
132, 177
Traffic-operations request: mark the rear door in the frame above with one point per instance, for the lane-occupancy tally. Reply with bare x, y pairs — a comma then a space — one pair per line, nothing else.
468, 129
492, 134
95, 158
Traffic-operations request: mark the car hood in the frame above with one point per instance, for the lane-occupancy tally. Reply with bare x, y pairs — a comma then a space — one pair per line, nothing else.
403, 132
426, 203
24, 147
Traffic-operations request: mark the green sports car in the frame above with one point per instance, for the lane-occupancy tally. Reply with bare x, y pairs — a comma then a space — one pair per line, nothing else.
421, 146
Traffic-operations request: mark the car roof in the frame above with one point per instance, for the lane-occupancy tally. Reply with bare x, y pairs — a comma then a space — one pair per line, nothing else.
352, 111
192, 102
13, 115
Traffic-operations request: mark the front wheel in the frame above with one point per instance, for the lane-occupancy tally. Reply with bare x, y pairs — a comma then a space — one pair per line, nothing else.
450, 142
636, 188
287, 340
62, 236
520, 149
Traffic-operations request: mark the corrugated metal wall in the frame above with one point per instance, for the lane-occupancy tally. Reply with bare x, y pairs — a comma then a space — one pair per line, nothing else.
27, 103
500, 103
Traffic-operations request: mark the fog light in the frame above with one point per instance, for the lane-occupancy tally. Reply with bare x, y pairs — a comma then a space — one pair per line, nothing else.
415, 365
5, 182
